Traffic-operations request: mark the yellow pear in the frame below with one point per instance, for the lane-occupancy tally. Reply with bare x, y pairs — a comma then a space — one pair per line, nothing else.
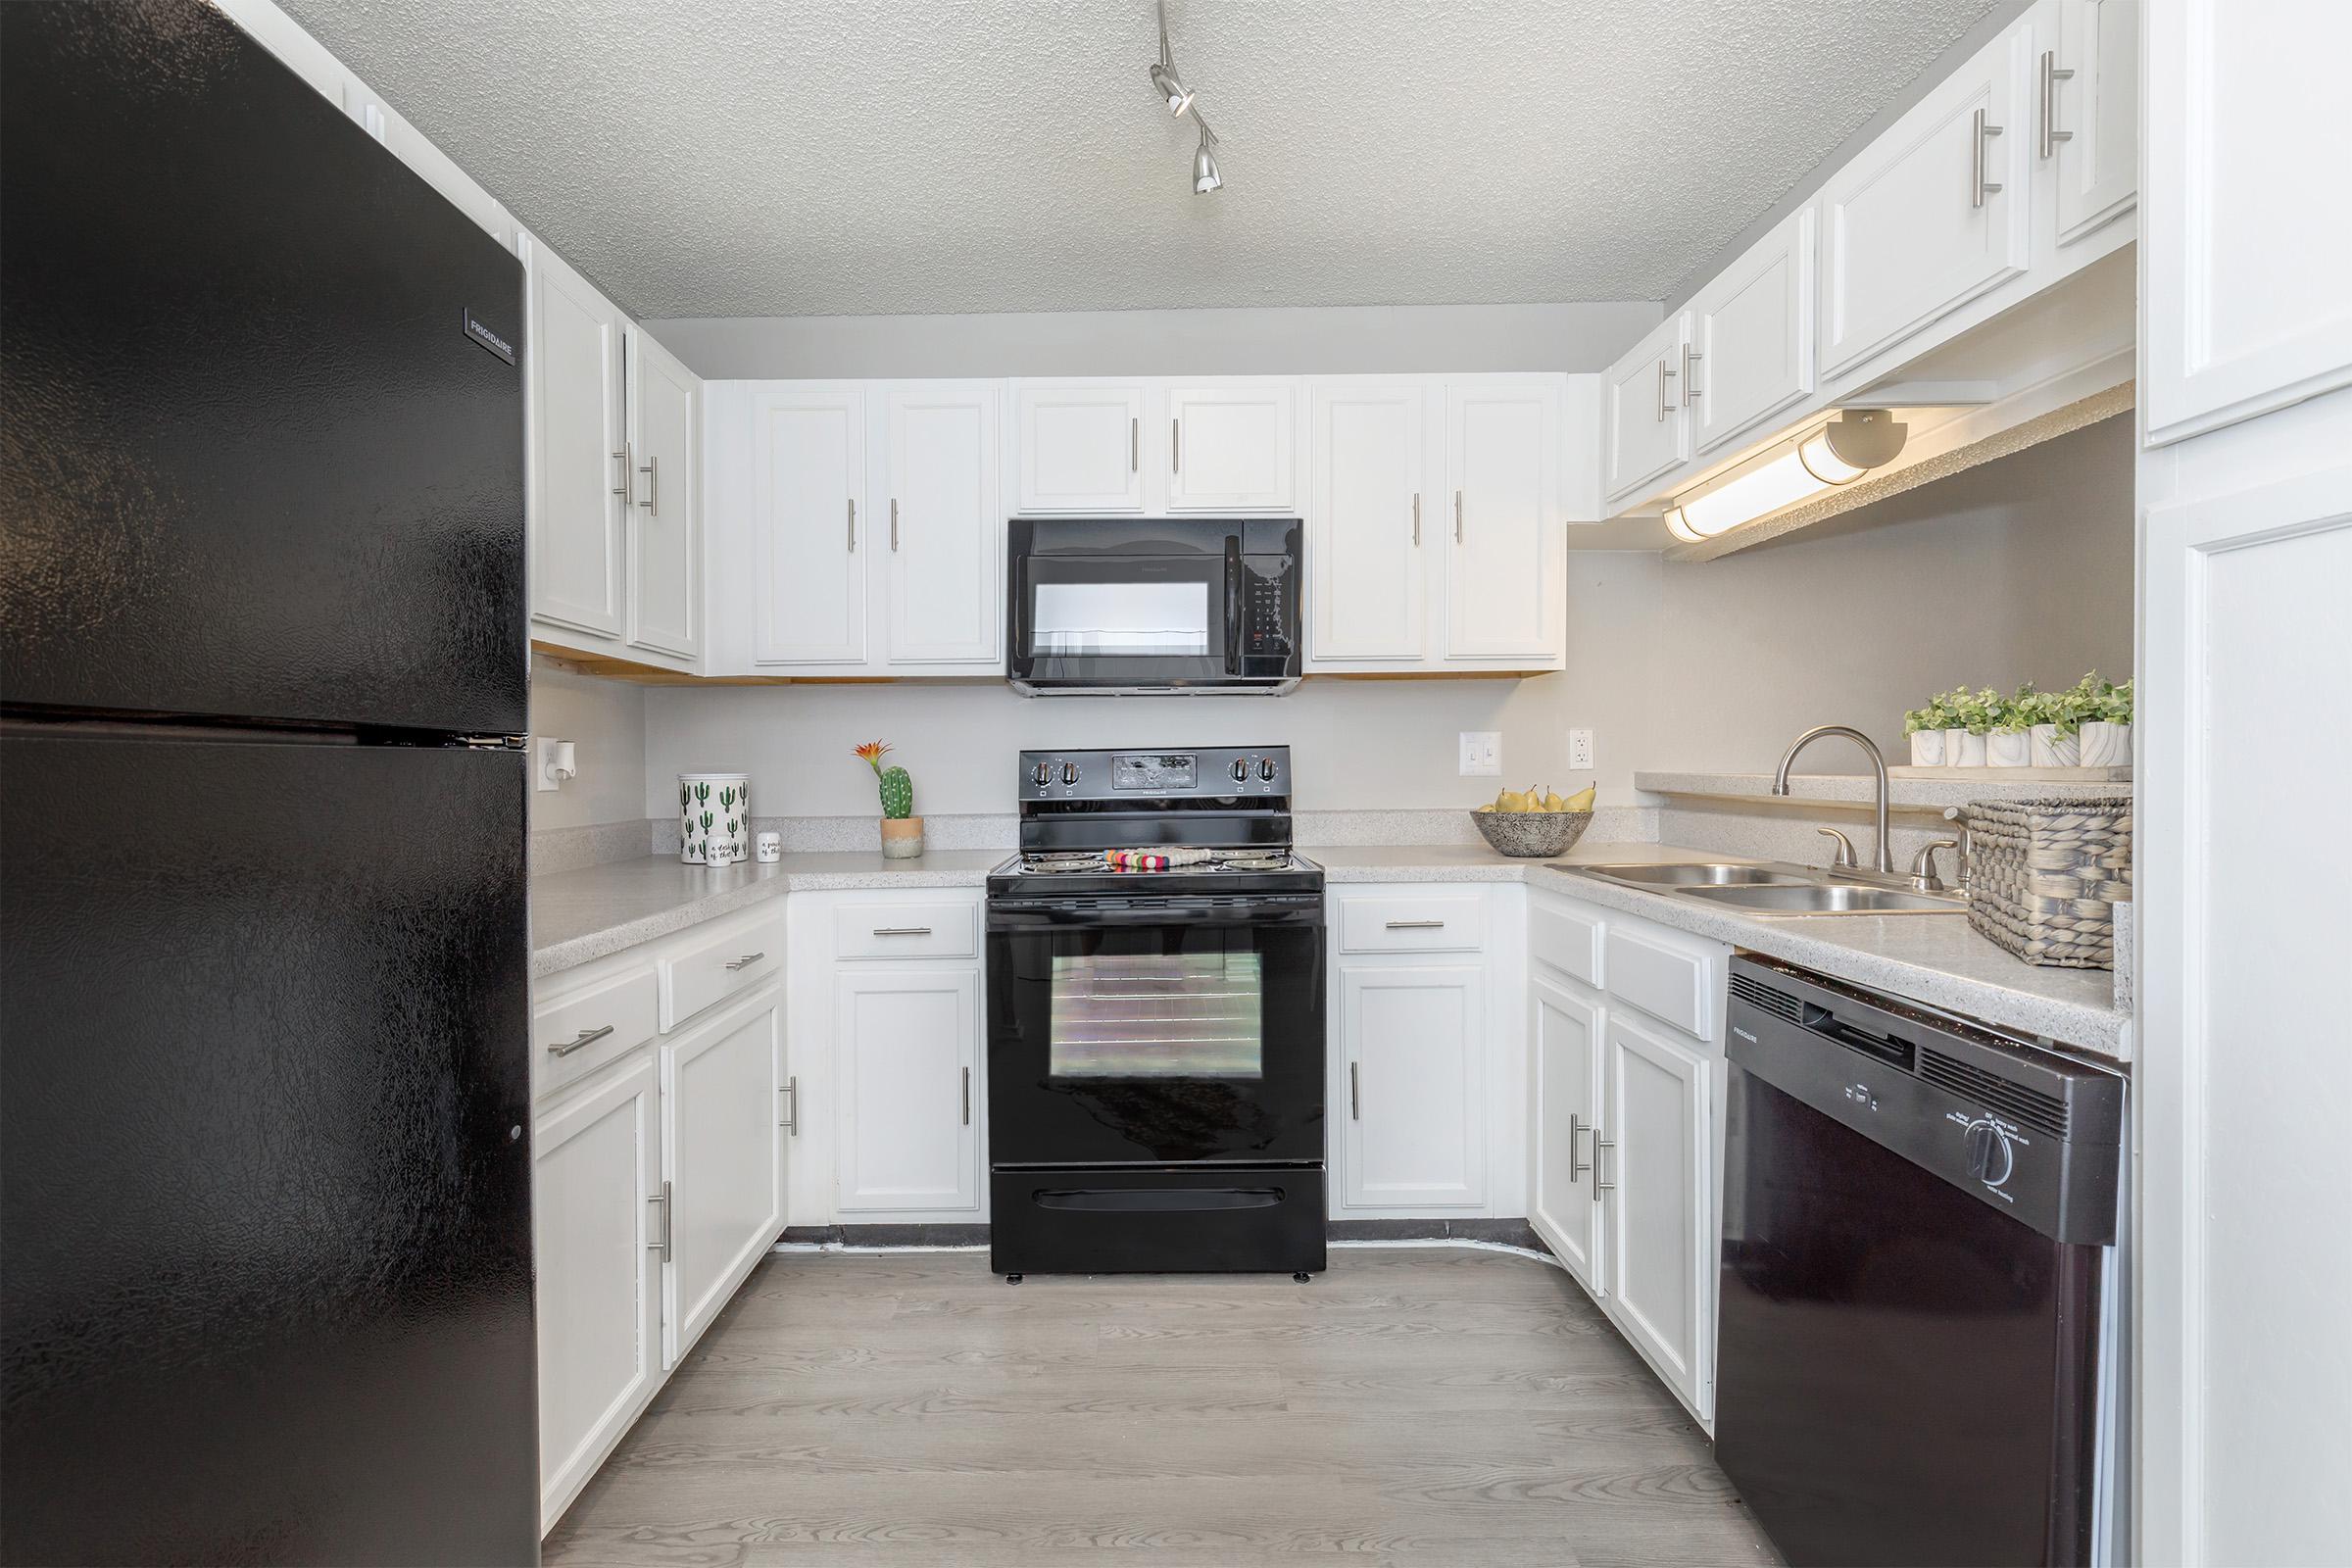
1487, 807
1580, 801
1552, 803
1512, 801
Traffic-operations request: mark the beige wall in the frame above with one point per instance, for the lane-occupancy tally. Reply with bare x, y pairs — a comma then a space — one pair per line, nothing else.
2015, 570
606, 721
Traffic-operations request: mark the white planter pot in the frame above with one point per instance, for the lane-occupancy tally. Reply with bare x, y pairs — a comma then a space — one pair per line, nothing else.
1926, 748
2053, 750
1962, 749
714, 818
2008, 748
2105, 745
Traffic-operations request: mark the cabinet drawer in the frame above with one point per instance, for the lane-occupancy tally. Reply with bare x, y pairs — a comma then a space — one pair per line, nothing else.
574, 1034
715, 968
1570, 940
1454, 922
944, 930
1672, 982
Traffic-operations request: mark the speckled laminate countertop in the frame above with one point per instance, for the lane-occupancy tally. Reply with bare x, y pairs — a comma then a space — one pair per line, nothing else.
584, 914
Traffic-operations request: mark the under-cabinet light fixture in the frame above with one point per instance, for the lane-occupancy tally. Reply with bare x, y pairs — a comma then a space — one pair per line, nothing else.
1788, 473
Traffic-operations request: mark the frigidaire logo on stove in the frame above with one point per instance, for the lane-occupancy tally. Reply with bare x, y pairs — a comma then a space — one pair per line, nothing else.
488, 339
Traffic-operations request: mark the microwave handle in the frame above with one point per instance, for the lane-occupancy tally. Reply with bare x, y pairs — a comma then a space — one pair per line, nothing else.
1233, 604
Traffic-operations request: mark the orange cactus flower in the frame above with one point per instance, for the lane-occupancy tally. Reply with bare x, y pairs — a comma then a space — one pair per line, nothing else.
873, 753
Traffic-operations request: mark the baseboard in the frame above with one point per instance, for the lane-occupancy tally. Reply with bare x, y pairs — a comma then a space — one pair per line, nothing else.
1496, 1232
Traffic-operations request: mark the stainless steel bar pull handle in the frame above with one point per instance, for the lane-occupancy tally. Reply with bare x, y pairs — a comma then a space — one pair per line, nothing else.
1690, 385
650, 468
853, 524
1416, 520
748, 959
1457, 516
1599, 1185
901, 930
1175, 446
1576, 1166
2051, 77
1355, 1092
669, 1223
586, 1037
1416, 925
967, 1097
894, 525
1665, 374
621, 464
1134, 445
792, 1117
1980, 160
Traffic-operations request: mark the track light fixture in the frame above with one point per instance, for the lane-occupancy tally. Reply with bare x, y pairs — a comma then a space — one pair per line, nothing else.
1178, 99
1205, 178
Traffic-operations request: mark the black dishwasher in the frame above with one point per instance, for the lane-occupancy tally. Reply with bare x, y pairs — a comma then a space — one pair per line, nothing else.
1918, 1246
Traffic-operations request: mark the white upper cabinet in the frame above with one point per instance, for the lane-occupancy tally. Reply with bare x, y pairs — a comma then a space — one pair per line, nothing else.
579, 470
1645, 432
1751, 337
944, 523
2087, 120
664, 527
1230, 446
1081, 445
1935, 212
1370, 528
1506, 545
2240, 247
807, 477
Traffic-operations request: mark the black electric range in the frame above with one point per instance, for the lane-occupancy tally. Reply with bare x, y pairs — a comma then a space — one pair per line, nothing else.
1156, 1037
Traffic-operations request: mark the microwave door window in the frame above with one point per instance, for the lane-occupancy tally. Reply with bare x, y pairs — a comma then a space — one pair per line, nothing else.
1120, 619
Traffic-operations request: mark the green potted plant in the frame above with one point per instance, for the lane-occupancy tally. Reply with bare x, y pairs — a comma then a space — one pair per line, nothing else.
2010, 743
2104, 733
1926, 727
901, 829
2049, 729
1972, 715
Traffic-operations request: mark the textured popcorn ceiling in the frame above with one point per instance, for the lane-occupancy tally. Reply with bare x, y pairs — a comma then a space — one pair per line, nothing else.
856, 157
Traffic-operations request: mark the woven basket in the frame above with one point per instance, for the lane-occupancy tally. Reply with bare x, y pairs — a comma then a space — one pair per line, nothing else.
2044, 877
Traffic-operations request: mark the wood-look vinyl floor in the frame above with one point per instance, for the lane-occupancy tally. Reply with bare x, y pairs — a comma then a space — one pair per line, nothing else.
1423, 1405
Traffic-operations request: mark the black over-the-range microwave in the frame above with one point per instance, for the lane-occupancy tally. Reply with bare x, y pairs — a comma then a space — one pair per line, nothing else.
1130, 605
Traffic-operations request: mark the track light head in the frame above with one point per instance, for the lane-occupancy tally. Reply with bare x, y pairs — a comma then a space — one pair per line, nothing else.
1171, 87
1206, 176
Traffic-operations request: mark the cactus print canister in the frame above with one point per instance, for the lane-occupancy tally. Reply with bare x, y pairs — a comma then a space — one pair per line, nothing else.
714, 818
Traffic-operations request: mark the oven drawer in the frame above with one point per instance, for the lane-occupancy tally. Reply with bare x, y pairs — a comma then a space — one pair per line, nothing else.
573, 1036
1198, 1220
718, 967
1439, 923
941, 930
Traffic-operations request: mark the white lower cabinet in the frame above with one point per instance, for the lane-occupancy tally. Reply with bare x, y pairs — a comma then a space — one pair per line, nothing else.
656, 1182
907, 1059
596, 1186
1626, 1135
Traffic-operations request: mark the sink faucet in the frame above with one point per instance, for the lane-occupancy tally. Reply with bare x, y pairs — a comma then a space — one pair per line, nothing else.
1883, 861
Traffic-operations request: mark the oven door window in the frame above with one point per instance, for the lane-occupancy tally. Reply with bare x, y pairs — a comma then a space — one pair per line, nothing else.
1159, 1016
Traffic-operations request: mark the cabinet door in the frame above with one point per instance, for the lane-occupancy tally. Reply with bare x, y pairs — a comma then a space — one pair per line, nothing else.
807, 485
2093, 134
2237, 244
580, 465
1229, 447
1505, 580
946, 525
907, 1051
1752, 336
724, 1150
1565, 1036
1413, 1048
596, 1173
1653, 1155
1370, 528
1914, 227
1081, 447
665, 532
1646, 434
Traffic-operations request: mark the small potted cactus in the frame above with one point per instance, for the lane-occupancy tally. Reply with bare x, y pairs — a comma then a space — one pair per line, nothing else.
901, 829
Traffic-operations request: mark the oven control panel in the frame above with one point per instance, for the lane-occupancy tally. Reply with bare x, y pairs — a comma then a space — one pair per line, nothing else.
1257, 772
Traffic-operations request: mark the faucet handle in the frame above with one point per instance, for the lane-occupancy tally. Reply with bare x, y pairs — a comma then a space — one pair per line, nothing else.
1842, 856
1923, 867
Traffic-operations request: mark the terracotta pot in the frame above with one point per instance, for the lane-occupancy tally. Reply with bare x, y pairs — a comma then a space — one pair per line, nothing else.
902, 837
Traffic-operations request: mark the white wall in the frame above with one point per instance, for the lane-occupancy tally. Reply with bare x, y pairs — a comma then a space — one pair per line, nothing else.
1329, 340
2018, 569
606, 721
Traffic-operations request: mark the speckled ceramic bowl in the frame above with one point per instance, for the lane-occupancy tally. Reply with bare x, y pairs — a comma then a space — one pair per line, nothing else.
1532, 835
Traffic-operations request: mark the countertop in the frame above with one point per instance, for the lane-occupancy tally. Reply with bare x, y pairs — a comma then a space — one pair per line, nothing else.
583, 915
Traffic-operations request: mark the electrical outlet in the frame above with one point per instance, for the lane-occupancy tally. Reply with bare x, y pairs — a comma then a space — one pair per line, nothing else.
1482, 753
1579, 751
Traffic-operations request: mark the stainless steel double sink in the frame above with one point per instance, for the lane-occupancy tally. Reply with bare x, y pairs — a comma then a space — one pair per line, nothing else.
1775, 890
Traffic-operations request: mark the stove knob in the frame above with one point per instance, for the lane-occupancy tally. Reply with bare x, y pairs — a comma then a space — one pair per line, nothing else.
1265, 770
1989, 1157
1241, 770
1042, 774
1069, 773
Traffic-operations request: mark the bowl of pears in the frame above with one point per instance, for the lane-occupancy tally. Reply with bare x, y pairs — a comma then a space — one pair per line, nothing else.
1534, 824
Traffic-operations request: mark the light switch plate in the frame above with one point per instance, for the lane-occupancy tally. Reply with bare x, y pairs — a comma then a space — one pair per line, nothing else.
1482, 753
1580, 750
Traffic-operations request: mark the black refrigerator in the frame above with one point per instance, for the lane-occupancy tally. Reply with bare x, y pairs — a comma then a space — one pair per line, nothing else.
266, 1288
